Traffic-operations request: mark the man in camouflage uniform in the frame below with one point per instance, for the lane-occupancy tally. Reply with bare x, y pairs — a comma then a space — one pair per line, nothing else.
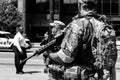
76, 45
57, 31
74, 33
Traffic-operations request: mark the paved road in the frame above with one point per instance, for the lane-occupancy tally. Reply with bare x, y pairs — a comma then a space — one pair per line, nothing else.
7, 72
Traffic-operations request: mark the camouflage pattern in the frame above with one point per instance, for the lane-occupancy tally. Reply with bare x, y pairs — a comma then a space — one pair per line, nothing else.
103, 45
77, 34
91, 42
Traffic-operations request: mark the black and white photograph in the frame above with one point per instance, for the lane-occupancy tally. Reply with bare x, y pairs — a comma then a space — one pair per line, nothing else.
59, 39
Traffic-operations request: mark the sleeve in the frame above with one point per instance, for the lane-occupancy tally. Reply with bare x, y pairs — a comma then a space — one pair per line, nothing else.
71, 39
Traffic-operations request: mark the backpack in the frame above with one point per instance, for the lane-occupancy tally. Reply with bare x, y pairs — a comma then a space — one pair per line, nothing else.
103, 44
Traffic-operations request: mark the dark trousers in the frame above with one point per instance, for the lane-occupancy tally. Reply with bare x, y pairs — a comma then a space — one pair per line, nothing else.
45, 57
18, 58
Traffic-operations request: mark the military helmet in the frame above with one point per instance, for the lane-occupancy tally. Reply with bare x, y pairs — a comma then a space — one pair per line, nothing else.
57, 24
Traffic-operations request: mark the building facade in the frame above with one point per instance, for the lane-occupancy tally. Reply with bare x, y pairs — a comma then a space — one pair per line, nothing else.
39, 13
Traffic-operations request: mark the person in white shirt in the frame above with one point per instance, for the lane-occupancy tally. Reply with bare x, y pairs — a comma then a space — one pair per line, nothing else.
19, 49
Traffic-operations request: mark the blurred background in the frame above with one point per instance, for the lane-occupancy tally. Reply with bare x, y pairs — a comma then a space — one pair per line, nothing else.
37, 14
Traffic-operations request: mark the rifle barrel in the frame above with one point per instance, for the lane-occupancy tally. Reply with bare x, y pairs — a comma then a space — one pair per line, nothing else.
27, 58
41, 50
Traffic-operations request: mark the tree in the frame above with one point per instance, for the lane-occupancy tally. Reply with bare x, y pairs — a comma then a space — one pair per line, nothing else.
10, 17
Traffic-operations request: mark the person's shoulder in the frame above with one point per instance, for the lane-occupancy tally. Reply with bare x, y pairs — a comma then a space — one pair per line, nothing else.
102, 18
78, 16
18, 35
80, 21
75, 25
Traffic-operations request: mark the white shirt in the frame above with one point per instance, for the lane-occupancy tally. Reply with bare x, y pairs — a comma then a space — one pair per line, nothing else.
18, 41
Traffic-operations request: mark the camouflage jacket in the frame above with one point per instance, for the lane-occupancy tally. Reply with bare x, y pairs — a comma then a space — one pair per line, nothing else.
77, 41
78, 34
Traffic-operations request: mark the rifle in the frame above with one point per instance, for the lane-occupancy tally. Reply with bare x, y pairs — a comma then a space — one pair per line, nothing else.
41, 50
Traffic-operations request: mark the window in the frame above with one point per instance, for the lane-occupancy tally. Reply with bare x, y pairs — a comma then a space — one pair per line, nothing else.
2, 36
70, 7
56, 6
108, 7
9, 36
42, 6
70, 1
37, 1
114, 7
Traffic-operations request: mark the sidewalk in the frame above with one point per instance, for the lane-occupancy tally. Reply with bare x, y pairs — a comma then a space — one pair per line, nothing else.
8, 73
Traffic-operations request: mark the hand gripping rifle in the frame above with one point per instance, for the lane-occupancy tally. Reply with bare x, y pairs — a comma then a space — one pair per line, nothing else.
45, 47
41, 50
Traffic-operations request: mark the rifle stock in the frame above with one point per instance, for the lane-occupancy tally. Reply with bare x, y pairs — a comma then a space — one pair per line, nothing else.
41, 50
